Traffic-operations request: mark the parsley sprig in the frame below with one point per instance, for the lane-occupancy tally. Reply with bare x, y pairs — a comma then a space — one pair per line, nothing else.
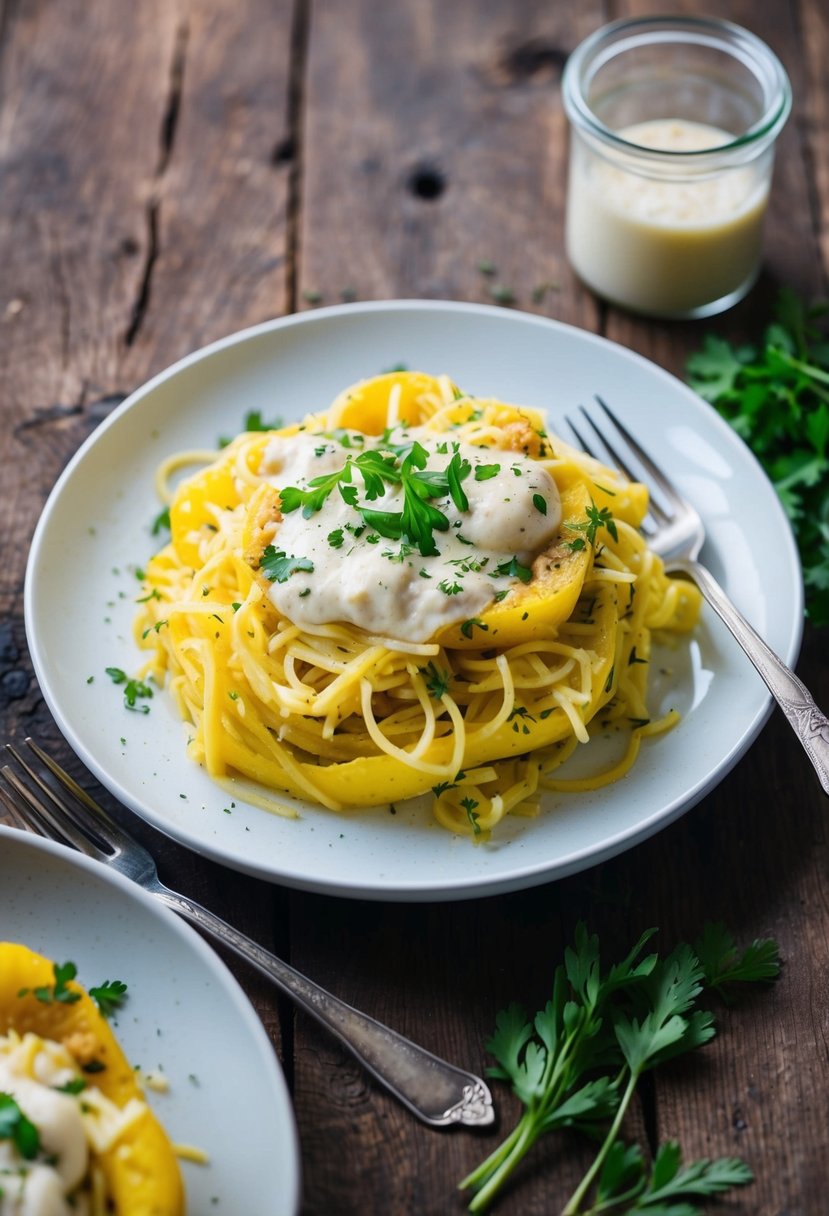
576, 1065
109, 996
57, 992
402, 465
775, 395
595, 518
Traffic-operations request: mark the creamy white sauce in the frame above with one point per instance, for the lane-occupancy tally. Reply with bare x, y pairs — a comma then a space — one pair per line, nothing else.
388, 586
41, 1187
665, 246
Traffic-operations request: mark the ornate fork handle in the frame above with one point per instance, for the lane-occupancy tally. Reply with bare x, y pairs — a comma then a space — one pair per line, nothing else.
435, 1091
808, 723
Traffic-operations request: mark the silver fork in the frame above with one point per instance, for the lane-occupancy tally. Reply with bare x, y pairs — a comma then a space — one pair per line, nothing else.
675, 531
440, 1094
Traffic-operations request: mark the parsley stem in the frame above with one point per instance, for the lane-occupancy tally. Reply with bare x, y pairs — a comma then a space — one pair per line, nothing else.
520, 1142
575, 1201
808, 369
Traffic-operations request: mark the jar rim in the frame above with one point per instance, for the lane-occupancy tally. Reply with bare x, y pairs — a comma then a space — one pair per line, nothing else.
721, 35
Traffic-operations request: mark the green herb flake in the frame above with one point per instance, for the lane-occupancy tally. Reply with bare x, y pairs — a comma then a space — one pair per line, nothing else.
437, 681
484, 472
278, 566
161, 521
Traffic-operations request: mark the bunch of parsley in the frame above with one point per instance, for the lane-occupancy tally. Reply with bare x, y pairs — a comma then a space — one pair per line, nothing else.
776, 397
577, 1063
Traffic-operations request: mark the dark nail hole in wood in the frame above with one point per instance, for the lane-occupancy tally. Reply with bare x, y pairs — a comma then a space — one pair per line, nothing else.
427, 182
532, 60
283, 153
129, 247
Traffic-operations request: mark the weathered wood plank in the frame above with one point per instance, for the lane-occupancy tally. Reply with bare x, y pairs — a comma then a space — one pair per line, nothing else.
142, 213
435, 144
215, 219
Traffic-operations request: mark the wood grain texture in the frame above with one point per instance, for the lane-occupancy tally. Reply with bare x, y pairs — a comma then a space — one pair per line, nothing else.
170, 172
98, 197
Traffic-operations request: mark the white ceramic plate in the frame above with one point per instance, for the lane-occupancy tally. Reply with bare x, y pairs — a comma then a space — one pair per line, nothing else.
95, 529
185, 1016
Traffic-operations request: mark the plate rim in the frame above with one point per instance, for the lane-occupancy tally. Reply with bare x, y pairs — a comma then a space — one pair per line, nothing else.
473, 885
195, 943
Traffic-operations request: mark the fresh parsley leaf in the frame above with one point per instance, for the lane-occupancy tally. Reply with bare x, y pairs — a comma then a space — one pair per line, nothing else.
512, 569
133, 689
109, 996
597, 517
723, 964
278, 566
470, 806
483, 472
58, 992
254, 422
437, 681
162, 520
775, 394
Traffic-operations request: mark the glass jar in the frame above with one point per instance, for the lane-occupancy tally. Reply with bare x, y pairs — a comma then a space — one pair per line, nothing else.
673, 124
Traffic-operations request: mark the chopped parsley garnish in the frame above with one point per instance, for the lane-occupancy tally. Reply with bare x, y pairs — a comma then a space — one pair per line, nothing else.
57, 992
512, 569
450, 588
597, 517
278, 566
162, 520
470, 805
403, 465
437, 681
76, 1086
483, 472
336, 538
133, 689
468, 626
152, 629
109, 996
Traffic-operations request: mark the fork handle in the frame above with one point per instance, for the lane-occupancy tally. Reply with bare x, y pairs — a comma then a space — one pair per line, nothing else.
437, 1092
806, 720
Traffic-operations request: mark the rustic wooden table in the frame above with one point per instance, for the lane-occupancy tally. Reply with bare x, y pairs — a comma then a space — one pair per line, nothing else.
174, 170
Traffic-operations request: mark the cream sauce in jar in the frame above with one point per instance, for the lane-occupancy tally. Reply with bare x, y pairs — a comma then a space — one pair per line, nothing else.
665, 244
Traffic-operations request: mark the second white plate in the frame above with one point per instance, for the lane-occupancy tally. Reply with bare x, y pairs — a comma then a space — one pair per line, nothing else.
183, 1010
95, 529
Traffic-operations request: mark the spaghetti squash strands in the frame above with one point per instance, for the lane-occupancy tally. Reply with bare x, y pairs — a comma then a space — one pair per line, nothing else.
417, 592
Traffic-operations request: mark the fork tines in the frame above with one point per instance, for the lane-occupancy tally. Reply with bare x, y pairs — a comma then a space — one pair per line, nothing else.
610, 452
51, 803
